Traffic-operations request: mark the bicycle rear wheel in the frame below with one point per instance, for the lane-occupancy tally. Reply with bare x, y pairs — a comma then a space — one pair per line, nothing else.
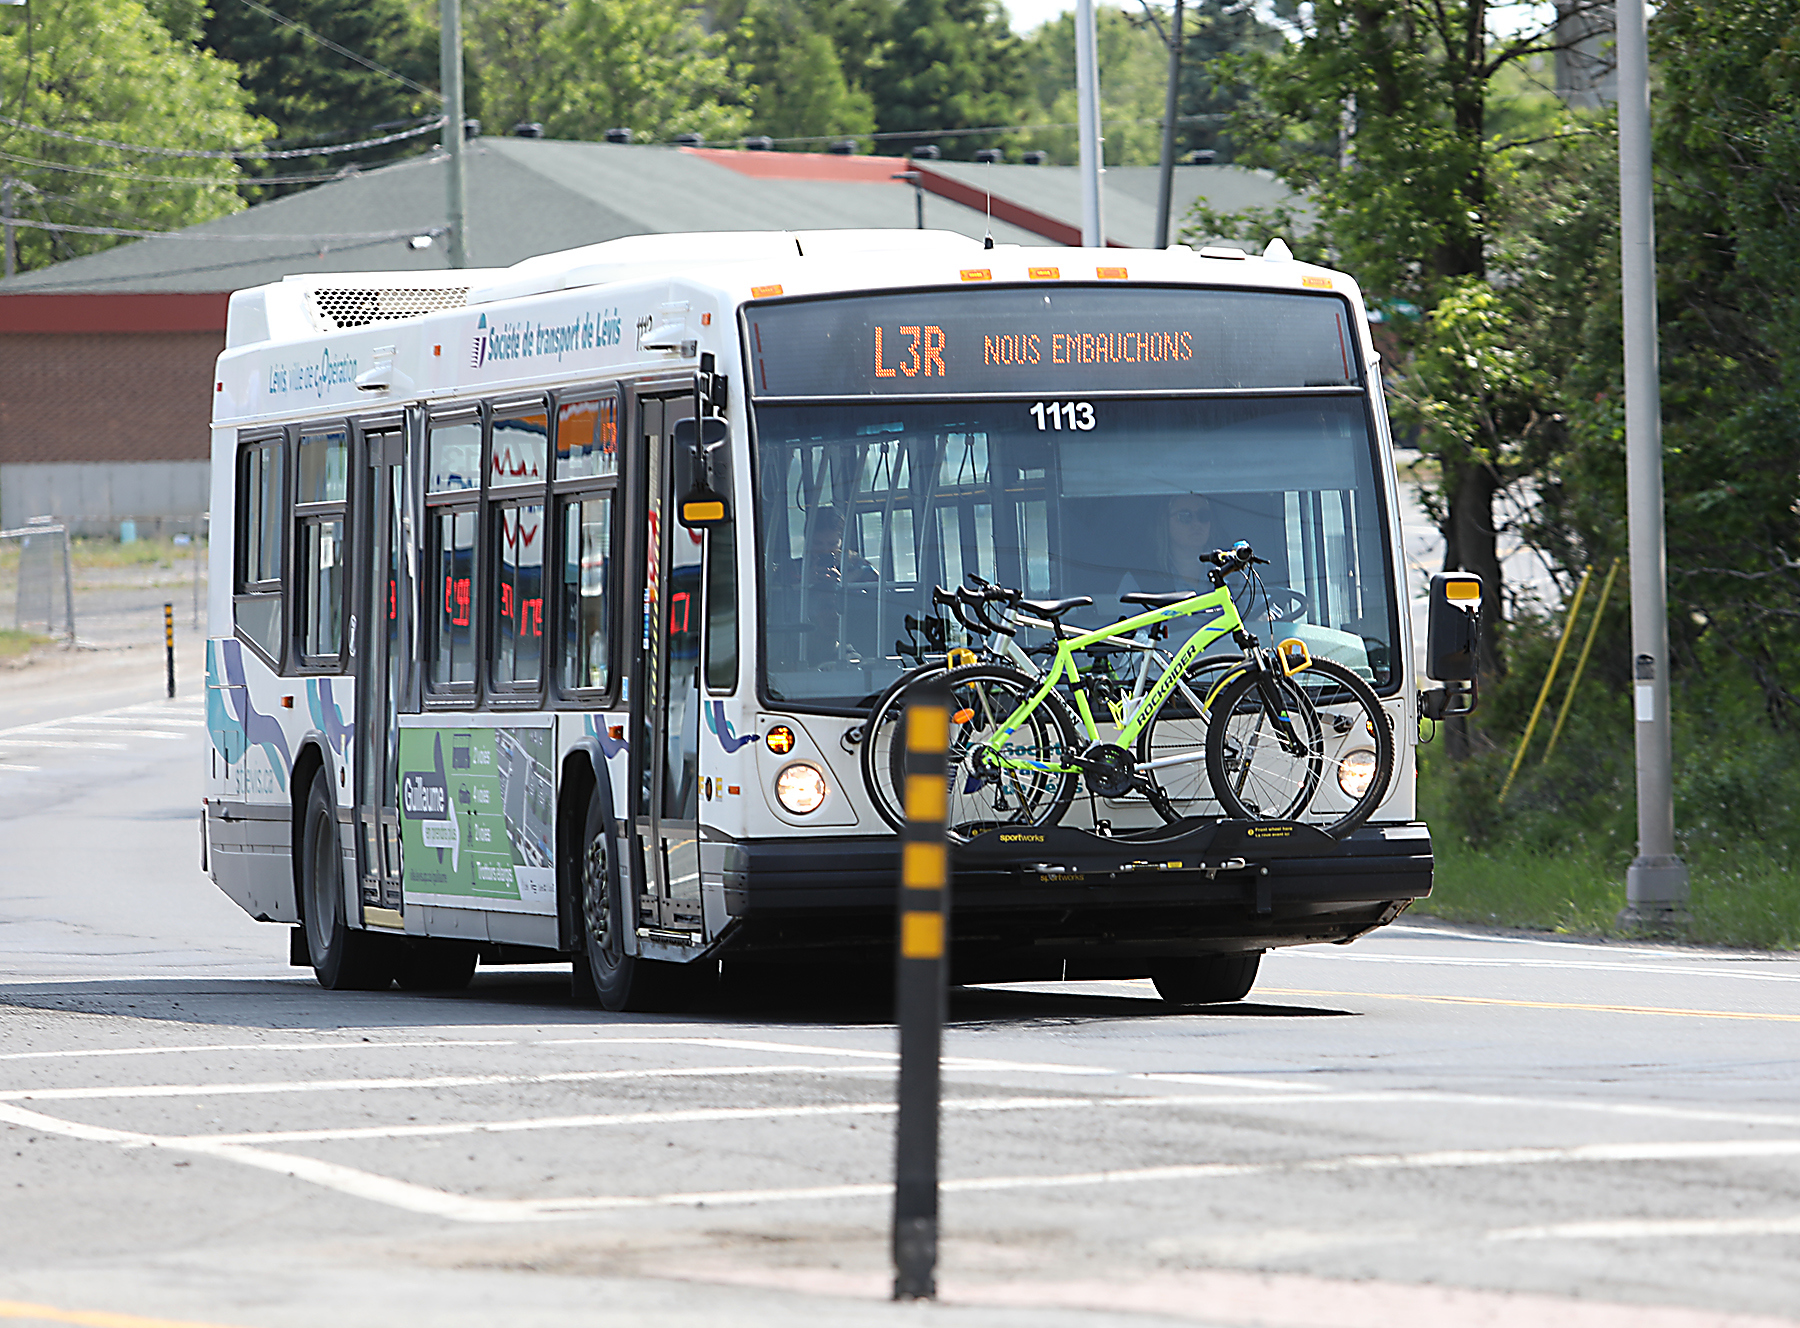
1264, 750
1028, 779
882, 734
1359, 745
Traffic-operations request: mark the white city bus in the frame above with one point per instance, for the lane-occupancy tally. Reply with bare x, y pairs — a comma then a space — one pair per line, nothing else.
474, 692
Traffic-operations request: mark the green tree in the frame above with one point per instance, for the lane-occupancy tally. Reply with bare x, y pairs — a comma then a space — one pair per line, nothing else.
1727, 140
954, 64
1210, 92
317, 95
794, 71
107, 69
1134, 72
519, 51
1383, 112
581, 67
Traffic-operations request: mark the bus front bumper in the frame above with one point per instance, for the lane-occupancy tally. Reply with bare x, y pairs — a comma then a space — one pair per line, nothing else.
1086, 906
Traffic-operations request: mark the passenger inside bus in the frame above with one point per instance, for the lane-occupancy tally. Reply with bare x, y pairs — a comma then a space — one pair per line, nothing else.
826, 562
1180, 529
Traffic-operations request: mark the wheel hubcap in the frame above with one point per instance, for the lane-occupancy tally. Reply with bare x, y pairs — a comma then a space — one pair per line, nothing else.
596, 899
319, 904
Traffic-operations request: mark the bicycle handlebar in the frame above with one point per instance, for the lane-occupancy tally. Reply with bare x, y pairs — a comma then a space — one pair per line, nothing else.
977, 601
1237, 556
952, 600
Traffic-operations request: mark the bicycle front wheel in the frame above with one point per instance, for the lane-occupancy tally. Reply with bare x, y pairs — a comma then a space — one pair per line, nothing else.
1171, 749
1264, 750
1027, 778
883, 743
1359, 745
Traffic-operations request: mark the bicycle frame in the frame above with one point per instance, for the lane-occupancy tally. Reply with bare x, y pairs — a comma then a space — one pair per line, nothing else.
1063, 665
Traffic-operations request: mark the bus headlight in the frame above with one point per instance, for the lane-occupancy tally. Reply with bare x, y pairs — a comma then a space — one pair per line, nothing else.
800, 788
1356, 771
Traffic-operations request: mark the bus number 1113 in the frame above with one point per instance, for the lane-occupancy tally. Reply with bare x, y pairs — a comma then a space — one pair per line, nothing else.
1054, 414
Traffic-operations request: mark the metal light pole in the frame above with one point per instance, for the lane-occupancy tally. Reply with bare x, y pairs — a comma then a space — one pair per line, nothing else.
1656, 883
6, 216
451, 77
1171, 103
1087, 87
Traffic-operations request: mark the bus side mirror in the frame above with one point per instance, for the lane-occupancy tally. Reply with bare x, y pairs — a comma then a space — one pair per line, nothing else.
701, 507
1452, 634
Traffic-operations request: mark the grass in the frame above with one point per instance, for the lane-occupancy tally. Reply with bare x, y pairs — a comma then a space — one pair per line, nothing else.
1745, 890
14, 644
97, 554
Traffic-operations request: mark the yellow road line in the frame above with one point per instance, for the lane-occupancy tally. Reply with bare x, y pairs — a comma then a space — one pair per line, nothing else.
1534, 1005
18, 1309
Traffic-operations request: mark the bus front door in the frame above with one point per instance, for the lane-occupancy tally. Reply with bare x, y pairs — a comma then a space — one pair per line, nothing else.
665, 686
378, 630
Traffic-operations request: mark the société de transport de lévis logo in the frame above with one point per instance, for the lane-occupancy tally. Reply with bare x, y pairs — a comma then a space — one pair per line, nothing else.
478, 351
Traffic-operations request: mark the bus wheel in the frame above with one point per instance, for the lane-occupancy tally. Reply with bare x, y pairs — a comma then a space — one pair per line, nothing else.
436, 965
1206, 979
342, 959
605, 975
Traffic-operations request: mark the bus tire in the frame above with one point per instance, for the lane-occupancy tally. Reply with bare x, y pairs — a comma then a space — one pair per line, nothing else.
1206, 979
343, 959
604, 974
435, 965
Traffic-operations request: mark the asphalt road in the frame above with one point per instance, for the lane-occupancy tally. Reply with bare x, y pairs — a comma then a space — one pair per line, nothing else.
1431, 1126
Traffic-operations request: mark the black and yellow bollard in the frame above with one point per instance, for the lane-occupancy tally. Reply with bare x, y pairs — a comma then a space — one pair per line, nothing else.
169, 644
920, 995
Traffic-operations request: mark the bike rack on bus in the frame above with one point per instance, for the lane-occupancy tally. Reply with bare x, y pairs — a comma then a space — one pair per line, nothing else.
1189, 845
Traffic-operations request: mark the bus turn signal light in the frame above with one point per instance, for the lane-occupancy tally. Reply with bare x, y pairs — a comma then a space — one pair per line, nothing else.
780, 740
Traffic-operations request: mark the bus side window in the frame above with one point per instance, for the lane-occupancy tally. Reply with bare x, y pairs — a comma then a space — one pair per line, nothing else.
261, 521
452, 488
722, 589
320, 508
586, 479
586, 601
518, 459
519, 593
721, 608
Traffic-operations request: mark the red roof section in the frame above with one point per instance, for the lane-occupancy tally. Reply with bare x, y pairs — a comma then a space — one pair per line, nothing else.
803, 165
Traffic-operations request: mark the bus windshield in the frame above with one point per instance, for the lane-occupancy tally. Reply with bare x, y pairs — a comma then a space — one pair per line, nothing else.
865, 507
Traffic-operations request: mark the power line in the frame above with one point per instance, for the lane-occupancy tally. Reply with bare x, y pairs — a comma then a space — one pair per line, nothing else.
202, 181
344, 51
190, 234
1210, 117
232, 154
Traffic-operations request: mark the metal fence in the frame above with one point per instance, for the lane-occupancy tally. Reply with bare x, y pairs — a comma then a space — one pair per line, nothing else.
45, 593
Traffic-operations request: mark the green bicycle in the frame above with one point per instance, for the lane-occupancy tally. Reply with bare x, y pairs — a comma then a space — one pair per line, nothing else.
1264, 726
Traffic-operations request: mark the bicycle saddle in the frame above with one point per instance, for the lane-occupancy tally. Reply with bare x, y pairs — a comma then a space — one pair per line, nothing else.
1155, 601
1052, 608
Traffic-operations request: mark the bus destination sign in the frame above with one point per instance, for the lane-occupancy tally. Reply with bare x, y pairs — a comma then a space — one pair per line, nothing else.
1006, 339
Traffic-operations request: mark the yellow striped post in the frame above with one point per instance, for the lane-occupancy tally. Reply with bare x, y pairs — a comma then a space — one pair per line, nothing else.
169, 643
919, 998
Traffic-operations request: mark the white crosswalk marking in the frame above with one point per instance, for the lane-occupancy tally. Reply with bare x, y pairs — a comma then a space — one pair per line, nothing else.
166, 721
107, 731
60, 732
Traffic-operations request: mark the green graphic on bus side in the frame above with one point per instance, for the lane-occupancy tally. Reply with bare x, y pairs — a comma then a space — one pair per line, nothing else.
475, 815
